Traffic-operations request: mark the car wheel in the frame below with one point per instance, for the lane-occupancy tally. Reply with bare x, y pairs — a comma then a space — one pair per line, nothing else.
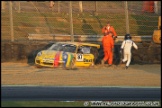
72, 64
92, 64
94, 51
100, 56
38, 66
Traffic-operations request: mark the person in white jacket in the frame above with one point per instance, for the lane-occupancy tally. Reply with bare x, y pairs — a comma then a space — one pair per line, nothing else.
126, 48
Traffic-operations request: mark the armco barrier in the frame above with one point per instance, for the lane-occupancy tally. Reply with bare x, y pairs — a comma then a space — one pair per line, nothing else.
82, 38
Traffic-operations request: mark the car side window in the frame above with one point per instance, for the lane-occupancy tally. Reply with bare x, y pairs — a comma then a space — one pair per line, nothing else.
84, 50
69, 48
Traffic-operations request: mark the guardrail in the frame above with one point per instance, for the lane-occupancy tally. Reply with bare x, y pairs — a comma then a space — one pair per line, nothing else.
83, 38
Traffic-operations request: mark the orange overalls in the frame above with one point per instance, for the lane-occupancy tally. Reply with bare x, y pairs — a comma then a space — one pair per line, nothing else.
104, 29
108, 45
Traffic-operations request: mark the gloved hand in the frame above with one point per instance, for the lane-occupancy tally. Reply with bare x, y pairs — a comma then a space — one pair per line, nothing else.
121, 50
114, 37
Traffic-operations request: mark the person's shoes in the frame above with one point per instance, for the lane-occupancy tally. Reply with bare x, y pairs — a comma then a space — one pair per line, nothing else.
102, 62
109, 65
126, 67
121, 62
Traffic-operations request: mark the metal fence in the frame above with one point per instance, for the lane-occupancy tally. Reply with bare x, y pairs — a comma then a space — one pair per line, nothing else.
21, 18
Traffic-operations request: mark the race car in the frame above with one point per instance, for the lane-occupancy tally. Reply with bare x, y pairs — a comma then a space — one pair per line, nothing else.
68, 55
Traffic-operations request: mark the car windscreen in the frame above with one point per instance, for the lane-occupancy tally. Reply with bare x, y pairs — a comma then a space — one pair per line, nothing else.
56, 47
63, 47
69, 48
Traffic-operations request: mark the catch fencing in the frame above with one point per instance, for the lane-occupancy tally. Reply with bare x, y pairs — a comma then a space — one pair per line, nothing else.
20, 19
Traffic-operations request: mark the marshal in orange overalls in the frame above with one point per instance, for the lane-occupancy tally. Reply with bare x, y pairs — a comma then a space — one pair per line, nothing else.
108, 46
109, 28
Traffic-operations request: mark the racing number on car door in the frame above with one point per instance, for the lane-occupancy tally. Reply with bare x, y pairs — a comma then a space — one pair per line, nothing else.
79, 57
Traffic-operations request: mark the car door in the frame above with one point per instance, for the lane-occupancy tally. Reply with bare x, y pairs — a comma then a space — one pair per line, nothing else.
83, 56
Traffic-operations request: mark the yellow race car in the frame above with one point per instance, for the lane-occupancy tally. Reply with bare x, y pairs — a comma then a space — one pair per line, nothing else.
68, 55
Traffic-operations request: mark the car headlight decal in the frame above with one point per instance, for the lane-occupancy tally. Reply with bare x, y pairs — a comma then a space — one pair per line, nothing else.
39, 54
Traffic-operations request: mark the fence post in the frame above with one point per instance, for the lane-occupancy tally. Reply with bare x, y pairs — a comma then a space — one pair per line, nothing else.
52, 3
71, 22
19, 7
80, 6
58, 6
96, 6
156, 7
3, 5
11, 22
126, 17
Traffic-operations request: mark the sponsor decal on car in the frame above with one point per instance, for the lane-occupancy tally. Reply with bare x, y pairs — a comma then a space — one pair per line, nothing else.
48, 60
79, 57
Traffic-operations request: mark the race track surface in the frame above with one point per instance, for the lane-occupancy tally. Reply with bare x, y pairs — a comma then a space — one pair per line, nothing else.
51, 93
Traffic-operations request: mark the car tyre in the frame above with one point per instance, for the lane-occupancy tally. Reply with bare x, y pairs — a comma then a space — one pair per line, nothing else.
72, 64
38, 66
94, 51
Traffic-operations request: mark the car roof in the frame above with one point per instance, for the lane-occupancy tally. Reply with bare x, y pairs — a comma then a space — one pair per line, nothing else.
81, 44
